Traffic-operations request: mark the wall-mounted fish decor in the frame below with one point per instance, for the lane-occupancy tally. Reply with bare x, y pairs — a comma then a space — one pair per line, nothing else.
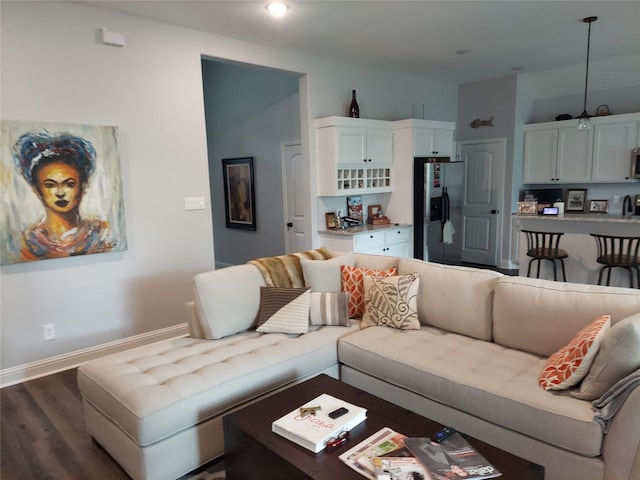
477, 123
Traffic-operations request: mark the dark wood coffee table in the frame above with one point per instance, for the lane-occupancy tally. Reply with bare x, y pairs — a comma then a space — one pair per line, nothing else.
253, 451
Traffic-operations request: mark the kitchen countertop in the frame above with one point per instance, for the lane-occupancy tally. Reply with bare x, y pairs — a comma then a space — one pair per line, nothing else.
584, 224
364, 228
585, 217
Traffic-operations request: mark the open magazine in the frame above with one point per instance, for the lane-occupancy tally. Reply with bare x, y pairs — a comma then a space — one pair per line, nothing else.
399, 465
452, 458
360, 457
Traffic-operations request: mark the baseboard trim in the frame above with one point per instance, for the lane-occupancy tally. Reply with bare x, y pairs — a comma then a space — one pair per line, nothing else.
48, 366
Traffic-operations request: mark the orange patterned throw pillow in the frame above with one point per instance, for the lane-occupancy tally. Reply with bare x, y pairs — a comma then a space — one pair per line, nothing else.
352, 282
569, 365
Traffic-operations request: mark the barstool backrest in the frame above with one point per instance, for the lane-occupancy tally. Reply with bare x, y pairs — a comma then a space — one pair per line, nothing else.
543, 242
617, 249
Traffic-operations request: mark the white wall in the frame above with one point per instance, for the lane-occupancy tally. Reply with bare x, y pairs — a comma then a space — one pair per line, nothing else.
52, 69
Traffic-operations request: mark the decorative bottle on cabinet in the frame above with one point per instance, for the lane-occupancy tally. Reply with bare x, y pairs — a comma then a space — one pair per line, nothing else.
354, 109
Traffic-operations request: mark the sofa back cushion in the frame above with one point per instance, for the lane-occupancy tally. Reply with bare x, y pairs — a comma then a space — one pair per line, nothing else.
541, 316
456, 299
227, 300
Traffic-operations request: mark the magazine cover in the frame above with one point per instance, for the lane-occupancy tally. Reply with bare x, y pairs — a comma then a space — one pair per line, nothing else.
360, 457
451, 459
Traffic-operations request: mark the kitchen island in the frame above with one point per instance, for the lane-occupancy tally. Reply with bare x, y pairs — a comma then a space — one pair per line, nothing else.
581, 266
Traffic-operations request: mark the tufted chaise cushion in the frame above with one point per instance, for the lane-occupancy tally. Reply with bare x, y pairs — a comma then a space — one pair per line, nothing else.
156, 391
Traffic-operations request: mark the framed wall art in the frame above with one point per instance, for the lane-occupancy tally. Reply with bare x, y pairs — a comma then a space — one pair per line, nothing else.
62, 191
576, 200
239, 193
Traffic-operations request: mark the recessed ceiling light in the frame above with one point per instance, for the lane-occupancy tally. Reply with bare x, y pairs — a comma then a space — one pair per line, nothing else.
277, 9
463, 52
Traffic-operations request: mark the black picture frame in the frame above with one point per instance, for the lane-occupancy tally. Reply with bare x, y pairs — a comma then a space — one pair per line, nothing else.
576, 200
239, 193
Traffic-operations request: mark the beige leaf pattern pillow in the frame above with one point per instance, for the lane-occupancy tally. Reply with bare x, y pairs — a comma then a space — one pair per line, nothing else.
391, 302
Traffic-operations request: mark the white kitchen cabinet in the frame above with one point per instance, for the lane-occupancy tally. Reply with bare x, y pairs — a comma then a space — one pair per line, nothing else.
433, 141
612, 144
394, 241
557, 152
557, 155
355, 155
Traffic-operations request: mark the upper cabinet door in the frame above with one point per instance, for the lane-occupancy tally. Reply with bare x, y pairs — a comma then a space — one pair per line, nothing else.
443, 143
574, 155
379, 146
540, 154
612, 151
423, 141
352, 145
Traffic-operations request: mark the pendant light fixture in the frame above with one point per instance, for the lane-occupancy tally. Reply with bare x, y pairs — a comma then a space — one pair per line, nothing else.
583, 120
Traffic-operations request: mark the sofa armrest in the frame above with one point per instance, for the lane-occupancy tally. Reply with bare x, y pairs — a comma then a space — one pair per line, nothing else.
193, 322
621, 447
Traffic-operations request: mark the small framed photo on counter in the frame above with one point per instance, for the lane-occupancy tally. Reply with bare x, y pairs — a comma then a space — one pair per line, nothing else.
598, 206
331, 220
528, 207
576, 200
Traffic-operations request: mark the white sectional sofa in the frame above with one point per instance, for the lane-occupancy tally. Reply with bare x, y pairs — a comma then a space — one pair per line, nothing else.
473, 364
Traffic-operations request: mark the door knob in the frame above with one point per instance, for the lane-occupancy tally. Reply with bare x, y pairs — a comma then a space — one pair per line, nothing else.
494, 211
289, 224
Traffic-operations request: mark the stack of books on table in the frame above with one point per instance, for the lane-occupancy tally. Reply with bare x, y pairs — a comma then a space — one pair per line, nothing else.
313, 430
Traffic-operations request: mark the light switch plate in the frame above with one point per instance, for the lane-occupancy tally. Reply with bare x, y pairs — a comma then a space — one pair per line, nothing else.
194, 203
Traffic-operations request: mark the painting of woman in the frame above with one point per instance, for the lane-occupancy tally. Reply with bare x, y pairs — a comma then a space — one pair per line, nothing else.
58, 168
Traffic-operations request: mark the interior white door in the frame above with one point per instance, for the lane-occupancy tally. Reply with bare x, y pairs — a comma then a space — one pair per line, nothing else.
484, 163
292, 169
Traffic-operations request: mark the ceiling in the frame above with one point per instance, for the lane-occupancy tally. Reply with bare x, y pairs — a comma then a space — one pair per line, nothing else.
419, 36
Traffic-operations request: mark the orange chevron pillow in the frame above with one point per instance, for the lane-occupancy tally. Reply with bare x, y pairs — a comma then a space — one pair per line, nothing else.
569, 365
352, 283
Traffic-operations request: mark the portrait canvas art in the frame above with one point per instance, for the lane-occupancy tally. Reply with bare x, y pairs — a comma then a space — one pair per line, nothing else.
61, 191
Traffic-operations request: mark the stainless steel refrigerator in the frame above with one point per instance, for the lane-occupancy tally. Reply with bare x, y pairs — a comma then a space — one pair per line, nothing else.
438, 192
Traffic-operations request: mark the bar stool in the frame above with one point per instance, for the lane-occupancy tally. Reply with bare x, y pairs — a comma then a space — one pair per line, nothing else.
544, 246
618, 252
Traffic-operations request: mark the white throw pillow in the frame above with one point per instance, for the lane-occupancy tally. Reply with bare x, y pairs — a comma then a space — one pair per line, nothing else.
324, 275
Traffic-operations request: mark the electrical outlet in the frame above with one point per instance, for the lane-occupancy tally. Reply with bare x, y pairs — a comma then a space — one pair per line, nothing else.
49, 332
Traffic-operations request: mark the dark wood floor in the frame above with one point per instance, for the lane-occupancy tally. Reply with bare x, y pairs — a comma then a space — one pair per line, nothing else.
43, 435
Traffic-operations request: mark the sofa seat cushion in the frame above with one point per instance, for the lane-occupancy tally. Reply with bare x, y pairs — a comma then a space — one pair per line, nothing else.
489, 381
156, 391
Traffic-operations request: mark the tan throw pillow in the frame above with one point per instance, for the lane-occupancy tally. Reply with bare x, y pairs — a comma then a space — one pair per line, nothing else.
329, 308
352, 284
391, 302
324, 275
284, 310
619, 355
571, 363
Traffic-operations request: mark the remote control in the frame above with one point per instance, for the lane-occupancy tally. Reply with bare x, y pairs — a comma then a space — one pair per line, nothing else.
444, 433
338, 412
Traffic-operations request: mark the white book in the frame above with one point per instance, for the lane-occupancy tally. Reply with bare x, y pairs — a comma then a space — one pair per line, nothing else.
313, 431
